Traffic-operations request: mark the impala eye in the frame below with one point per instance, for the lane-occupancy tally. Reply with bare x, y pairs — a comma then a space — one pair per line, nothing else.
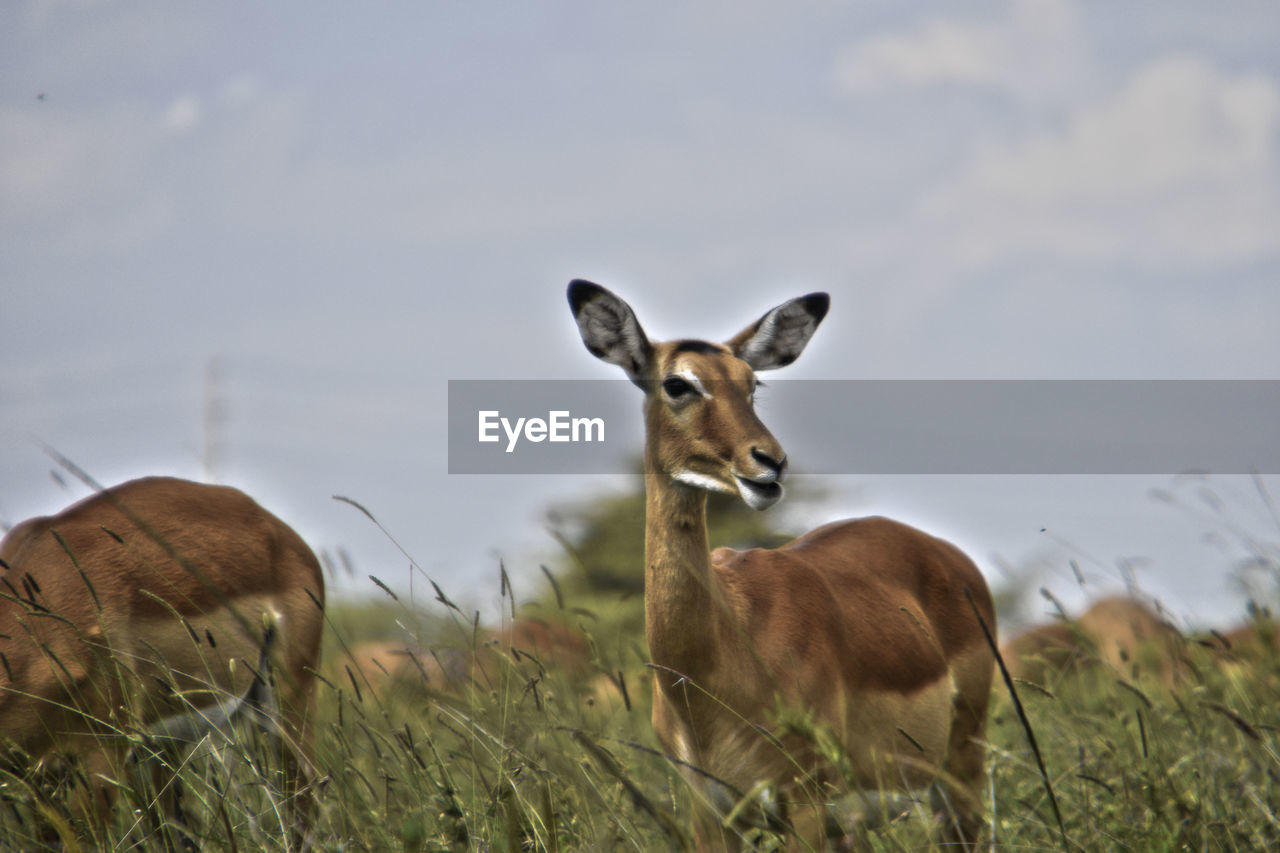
676, 387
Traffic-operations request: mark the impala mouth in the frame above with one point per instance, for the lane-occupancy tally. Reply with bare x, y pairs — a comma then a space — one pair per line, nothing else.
757, 494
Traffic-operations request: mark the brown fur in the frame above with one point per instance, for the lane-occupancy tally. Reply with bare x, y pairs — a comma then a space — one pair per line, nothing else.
1132, 639
1038, 653
862, 623
862, 626
1118, 632
171, 563
531, 646
382, 666
1254, 640
1248, 651
552, 644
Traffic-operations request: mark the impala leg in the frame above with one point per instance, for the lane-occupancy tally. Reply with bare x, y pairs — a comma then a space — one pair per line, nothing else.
162, 801
709, 833
961, 803
301, 776
808, 828
299, 781
96, 800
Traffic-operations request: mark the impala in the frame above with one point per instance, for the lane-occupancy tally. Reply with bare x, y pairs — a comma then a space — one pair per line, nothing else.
1133, 639
135, 605
1255, 639
869, 628
1042, 652
531, 645
1118, 632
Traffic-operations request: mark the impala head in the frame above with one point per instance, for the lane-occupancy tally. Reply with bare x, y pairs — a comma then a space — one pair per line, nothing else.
700, 424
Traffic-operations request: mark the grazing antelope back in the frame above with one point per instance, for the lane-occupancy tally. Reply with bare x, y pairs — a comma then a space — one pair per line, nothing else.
1039, 652
1257, 639
1117, 632
866, 626
1132, 639
150, 591
527, 644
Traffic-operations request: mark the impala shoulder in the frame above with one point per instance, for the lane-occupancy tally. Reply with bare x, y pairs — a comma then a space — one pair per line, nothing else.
18, 539
724, 556
741, 566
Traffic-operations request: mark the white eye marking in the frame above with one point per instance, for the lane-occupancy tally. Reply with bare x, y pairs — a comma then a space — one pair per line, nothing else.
692, 378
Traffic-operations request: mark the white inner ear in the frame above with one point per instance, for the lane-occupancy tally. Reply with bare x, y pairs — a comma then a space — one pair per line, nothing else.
609, 326
783, 332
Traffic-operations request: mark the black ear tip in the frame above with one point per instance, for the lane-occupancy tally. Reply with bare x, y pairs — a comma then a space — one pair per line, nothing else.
581, 292
817, 304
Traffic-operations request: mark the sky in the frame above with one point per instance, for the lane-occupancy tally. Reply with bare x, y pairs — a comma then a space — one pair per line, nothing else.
319, 215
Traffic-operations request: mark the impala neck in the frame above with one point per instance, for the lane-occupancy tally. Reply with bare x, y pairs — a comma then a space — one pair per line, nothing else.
680, 605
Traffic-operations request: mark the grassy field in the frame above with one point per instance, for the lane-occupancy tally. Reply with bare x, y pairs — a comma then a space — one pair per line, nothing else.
530, 755
530, 761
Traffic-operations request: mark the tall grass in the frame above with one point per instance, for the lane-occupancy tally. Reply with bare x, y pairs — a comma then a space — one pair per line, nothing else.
512, 752
230, 784
525, 752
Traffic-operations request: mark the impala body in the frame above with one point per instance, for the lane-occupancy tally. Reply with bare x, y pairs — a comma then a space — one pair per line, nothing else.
1133, 639
864, 629
380, 666
1118, 632
158, 587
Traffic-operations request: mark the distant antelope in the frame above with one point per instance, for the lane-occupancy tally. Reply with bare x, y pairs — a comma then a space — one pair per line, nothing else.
1117, 632
1041, 651
863, 624
1256, 639
1132, 639
385, 665
153, 590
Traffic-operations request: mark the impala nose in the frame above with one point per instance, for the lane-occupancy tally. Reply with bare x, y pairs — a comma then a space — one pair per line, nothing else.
776, 467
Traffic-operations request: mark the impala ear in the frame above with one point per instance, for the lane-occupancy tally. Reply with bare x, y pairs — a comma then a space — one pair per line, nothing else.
778, 338
609, 329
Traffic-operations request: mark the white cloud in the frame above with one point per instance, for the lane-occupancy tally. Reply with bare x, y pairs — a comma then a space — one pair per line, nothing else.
1032, 51
1176, 122
240, 91
184, 114
1179, 164
940, 52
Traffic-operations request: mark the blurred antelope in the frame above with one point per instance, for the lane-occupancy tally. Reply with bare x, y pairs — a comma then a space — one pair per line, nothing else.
128, 609
1132, 639
1039, 652
1257, 639
384, 666
1118, 632
866, 626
